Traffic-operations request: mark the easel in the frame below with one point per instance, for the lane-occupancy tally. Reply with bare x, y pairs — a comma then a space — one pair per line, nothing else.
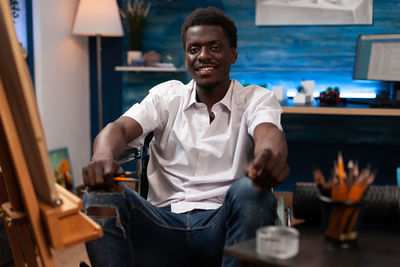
32, 205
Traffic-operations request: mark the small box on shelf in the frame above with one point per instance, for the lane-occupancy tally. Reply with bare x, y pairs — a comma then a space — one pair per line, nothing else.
301, 98
280, 92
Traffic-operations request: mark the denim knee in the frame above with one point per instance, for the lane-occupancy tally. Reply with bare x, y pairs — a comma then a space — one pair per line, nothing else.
249, 201
242, 186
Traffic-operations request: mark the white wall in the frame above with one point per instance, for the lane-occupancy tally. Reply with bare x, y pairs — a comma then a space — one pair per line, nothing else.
62, 80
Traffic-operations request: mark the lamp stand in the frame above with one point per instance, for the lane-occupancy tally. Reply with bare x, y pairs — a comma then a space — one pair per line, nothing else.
99, 84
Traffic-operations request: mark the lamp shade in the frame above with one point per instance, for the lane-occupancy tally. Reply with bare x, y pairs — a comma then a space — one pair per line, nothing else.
98, 17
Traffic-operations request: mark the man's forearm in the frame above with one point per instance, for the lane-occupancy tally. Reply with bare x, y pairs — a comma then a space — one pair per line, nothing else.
109, 143
268, 136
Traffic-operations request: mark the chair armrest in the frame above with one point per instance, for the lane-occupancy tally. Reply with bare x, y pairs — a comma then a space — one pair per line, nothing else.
130, 154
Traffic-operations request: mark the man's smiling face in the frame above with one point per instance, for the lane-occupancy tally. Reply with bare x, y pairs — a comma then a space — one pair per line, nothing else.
208, 56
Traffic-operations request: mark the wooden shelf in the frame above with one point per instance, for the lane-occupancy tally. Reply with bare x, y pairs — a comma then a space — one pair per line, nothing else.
349, 109
342, 111
149, 69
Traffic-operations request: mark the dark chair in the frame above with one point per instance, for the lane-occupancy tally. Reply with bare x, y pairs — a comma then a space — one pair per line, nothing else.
140, 157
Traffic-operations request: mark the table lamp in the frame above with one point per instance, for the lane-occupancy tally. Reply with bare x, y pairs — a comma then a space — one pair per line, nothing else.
98, 18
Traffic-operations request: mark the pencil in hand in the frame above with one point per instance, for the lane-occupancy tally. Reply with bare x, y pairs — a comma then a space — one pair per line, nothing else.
120, 177
125, 179
123, 173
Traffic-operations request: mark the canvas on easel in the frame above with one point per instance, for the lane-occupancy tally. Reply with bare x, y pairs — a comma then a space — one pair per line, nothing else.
34, 202
61, 165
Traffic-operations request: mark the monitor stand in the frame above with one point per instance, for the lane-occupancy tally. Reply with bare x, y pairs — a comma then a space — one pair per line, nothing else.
394, 90
390, 100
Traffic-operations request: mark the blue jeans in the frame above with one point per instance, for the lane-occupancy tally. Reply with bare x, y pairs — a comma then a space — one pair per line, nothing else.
143, 235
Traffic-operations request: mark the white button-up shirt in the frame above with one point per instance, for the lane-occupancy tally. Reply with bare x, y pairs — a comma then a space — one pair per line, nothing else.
192, 161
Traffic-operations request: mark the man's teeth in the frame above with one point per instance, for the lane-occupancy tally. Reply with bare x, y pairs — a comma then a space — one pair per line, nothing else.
206, 68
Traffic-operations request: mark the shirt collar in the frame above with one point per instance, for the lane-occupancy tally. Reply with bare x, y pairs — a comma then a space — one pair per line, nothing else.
192, 94
226, 101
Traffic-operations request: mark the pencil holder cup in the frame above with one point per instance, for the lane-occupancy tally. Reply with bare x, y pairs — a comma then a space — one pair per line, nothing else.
340, 222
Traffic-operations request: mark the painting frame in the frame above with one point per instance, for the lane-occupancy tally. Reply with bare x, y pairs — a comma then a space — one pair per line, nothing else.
313, 12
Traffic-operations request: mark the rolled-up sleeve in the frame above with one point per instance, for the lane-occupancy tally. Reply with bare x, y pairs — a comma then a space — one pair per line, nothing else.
263, 107
147, 113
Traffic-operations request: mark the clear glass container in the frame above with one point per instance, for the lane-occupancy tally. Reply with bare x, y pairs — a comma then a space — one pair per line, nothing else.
277, 242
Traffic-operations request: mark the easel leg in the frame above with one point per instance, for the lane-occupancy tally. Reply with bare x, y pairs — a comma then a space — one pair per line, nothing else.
18, 235
15, 248
13, 228
11, 231
27, 245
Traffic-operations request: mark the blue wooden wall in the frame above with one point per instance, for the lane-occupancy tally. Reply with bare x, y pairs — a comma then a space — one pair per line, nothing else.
268, 55
271, 55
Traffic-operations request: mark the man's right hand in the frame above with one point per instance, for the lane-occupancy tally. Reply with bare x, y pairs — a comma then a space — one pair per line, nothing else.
108, 145
99, 173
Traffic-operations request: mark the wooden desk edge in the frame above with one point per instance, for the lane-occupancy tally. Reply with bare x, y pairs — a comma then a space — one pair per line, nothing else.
342, 111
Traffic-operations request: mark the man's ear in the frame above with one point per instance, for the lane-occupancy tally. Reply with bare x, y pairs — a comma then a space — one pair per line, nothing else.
234, 55
186, 63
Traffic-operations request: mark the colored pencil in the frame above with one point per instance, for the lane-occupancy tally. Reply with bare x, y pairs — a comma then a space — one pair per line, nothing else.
125, 179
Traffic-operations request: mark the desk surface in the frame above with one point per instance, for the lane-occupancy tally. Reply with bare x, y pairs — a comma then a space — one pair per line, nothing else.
375, 248
348, 109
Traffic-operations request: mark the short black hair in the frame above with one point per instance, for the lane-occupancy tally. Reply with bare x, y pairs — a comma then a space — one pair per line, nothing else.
210, 16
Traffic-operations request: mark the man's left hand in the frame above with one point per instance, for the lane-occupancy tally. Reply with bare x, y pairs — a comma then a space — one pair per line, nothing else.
268, 170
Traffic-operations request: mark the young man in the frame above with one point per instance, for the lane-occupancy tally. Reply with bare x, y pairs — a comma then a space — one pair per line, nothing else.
207, 135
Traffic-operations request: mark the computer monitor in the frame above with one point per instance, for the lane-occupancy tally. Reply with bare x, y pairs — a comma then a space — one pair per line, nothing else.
378, 59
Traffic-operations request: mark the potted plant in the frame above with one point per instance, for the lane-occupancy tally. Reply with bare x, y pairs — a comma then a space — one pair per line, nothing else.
134, 19
14, 8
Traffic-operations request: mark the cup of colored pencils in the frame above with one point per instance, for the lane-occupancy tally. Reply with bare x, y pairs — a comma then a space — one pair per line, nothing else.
341, 200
